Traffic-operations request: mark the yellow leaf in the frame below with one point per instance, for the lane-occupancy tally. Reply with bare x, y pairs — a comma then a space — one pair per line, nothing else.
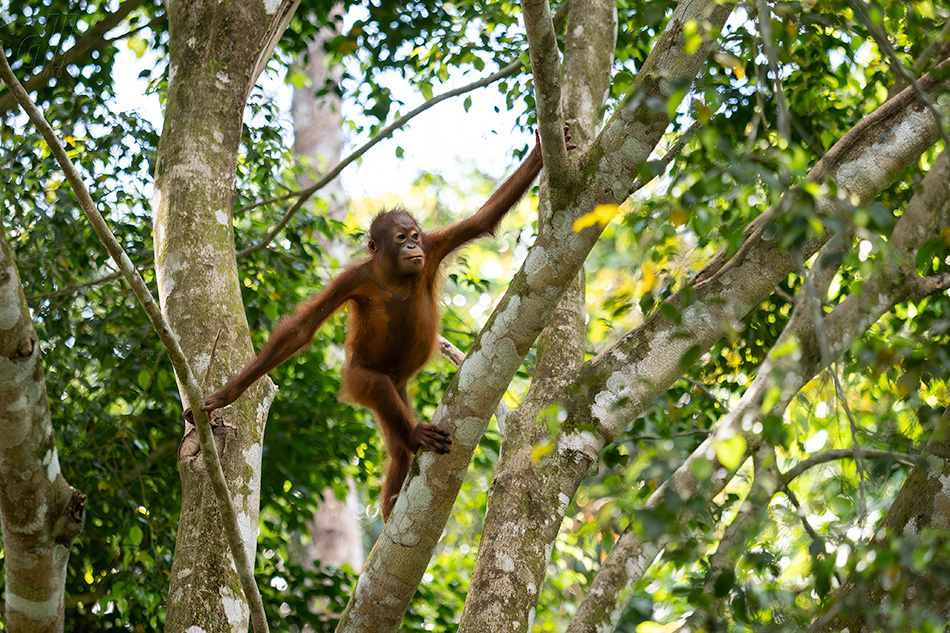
602, 214
653, 627
731, 452
138, 45
649, 279
693, 38
739, 70
678, 217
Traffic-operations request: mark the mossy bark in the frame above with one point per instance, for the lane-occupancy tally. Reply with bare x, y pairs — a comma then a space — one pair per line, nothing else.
217, 50
41, 515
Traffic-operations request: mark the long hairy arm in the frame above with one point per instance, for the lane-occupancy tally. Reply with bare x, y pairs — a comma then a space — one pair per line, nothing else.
487, 218
290, 336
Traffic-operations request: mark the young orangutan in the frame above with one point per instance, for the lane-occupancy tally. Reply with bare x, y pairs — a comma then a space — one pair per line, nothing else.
393, 324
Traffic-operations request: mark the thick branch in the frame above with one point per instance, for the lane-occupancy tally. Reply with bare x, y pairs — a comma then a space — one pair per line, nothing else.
642, 365
168, 338
455, 356
546, 71
610, 588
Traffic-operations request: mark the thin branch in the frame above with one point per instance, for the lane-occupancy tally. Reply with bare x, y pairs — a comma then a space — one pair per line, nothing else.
884, 43
177, 356
151, 23
89, 41
638, 438
710, 394
305, 194
844, 453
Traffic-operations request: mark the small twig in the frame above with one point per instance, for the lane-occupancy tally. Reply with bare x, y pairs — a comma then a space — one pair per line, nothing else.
855, 445
815, 537
656, 438
156, 20
674, 151
835, 454
305, 194
214, 349
884, 43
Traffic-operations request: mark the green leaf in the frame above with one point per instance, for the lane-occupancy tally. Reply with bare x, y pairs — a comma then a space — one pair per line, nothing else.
731, 452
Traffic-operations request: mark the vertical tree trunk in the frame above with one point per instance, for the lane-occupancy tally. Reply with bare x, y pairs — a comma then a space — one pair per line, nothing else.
41, 515
216, 52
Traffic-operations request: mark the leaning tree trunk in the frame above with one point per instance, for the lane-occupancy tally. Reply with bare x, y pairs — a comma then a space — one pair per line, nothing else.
41, 514
521, 482
216, 51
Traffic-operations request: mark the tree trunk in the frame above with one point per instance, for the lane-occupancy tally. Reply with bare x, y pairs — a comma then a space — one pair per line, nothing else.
40, 514
526, 493
216, 51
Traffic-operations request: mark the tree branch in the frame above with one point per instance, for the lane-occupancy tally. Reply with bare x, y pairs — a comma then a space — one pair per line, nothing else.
455, 357
169, 340
884, 43
304, 194
91, 40
843, 453
546, 71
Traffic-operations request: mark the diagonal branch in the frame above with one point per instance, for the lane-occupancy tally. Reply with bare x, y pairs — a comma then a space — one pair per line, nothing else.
386, 132
169, 340
305, 194
904, 73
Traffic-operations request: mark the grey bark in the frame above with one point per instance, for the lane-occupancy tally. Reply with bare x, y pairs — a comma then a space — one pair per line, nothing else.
631, 555
527, 502
40, 513
217, 50
604, 171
